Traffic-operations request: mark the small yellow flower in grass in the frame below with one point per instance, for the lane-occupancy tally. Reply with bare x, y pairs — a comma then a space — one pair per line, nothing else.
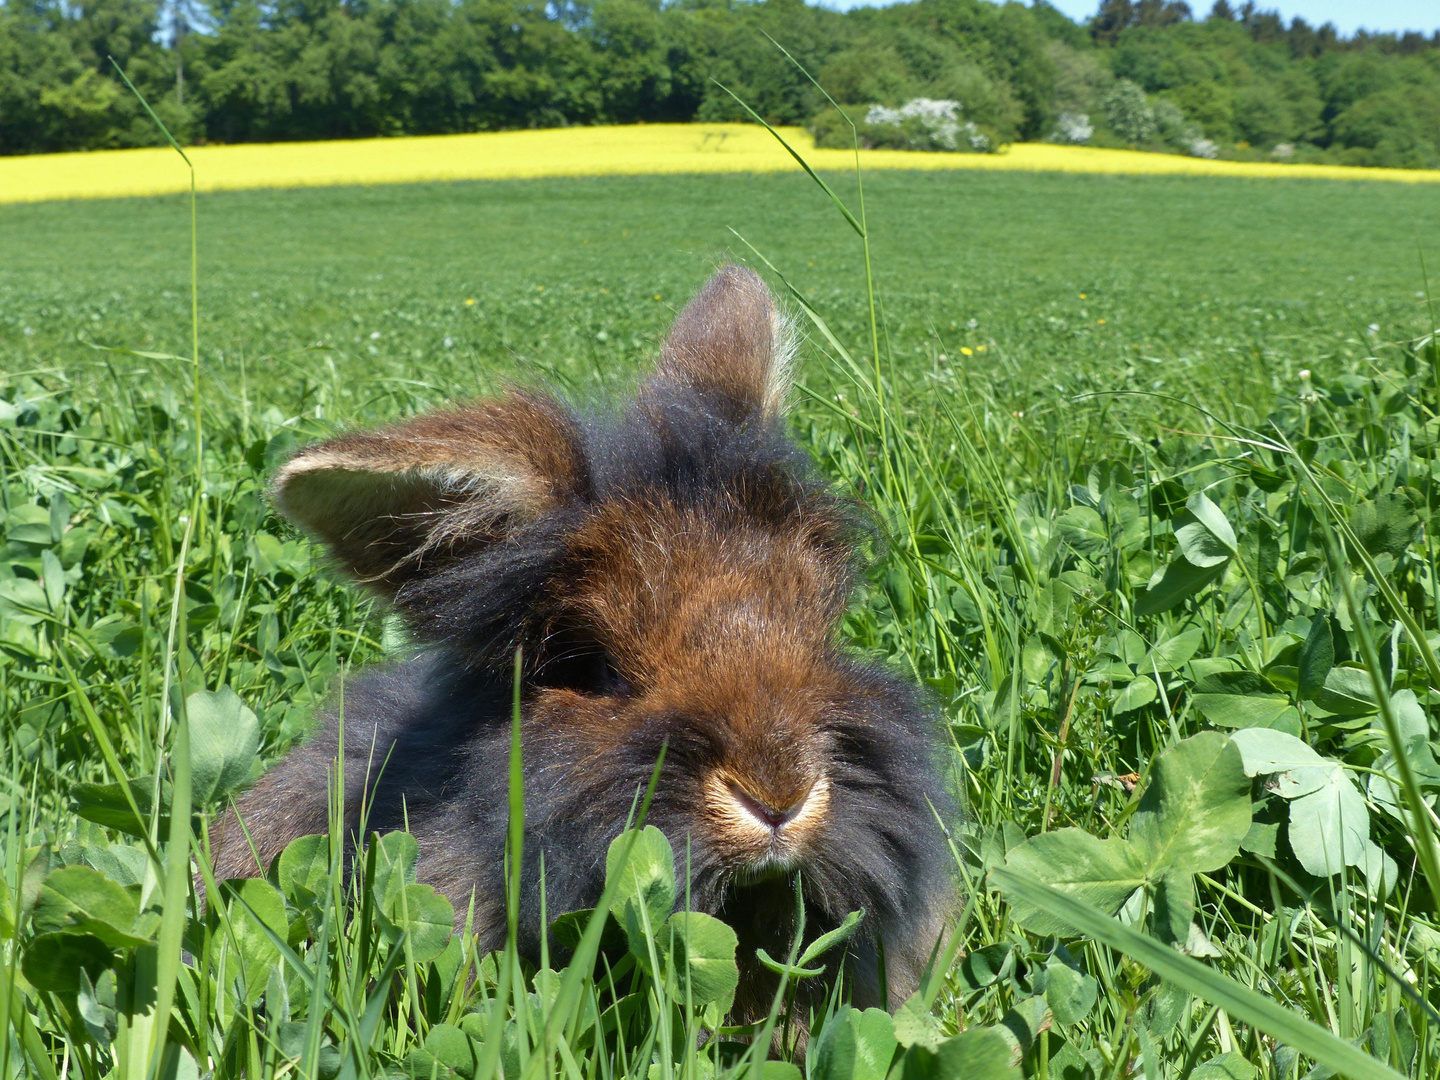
1099, 322
470, 301
979, 348
965, 350
657, 296
539, 288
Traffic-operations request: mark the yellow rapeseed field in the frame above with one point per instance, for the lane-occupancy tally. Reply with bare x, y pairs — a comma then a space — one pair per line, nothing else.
580, 151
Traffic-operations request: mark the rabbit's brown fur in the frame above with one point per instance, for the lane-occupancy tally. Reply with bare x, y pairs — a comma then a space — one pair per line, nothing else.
675, 576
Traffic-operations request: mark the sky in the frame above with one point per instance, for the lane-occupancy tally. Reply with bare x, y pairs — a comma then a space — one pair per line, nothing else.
1347, 15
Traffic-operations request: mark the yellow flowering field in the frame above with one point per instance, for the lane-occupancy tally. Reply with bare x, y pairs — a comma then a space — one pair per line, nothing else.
579, 151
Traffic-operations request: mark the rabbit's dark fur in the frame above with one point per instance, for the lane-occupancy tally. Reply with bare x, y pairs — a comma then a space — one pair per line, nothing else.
674, 573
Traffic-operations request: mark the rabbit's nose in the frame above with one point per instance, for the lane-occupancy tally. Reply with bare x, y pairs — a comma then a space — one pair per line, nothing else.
772, 817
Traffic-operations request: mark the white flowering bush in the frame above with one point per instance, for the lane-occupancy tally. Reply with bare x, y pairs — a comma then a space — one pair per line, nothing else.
936, 124
1073, 129
1140, 120
936, 119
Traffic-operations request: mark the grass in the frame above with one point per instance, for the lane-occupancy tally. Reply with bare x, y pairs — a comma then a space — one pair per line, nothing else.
1067, 364
578, 152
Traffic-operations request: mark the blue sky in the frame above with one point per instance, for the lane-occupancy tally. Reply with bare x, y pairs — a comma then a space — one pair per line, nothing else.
1347, 15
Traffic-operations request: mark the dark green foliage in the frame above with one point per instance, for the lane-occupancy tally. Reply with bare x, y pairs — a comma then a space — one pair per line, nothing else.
1365, 102
322, 69
318, 69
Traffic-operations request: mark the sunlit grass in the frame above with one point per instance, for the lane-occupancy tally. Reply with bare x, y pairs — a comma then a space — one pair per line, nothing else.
580, 151
1007, 303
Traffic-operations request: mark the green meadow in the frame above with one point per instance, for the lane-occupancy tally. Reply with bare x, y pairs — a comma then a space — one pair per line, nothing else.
1155, 459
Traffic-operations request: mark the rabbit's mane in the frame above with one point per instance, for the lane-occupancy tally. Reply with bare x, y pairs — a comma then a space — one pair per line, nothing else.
671, 452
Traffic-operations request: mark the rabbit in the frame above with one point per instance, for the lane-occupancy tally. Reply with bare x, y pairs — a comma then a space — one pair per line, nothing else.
673, 574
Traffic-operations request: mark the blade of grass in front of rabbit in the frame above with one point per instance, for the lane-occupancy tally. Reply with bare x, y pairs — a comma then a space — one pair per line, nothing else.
660, 1029
322, 1003
228, 935
660, 1026
523, 1035
692, 1051
177, 882
646, 1054
933, 978
760, 1049
509, 959
582, 960
544, 976
412, 984
622, 1064
364, 873
352, 989
367, 869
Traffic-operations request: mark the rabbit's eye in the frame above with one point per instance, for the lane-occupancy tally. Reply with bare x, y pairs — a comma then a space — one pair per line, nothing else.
613, 683
579, 662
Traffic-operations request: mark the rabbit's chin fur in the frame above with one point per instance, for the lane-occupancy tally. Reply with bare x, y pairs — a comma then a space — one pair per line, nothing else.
674, 575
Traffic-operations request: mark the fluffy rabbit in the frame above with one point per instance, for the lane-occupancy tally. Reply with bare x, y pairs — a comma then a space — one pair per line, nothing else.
675, 572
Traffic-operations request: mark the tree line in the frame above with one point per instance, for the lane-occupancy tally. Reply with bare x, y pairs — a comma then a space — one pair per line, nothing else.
1237, 82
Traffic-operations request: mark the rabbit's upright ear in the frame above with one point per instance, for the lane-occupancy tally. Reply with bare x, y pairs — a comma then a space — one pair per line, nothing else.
399, 503
731, 345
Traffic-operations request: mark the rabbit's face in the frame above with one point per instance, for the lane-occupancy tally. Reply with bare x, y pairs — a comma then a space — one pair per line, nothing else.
716, 633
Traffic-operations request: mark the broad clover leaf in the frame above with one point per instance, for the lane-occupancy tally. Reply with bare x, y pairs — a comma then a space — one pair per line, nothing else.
1192, 818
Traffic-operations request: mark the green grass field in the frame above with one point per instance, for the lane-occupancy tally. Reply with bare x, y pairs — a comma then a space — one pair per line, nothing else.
1172, 596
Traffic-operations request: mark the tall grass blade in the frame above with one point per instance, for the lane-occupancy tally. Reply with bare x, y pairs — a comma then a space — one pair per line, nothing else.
1422, 827
177, 870
850, 218
1286, 1025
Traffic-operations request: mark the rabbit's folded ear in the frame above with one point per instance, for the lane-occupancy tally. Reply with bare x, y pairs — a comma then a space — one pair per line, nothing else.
731, 345
399, 503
